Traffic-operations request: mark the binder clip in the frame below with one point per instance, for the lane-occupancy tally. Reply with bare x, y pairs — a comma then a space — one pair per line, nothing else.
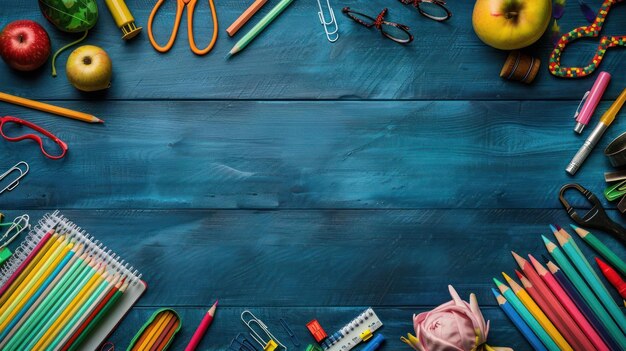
272, 342
21, 167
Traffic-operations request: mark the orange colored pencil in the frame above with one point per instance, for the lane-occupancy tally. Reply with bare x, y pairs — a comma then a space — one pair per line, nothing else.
56, 110
245, 17
569, 305
166, 334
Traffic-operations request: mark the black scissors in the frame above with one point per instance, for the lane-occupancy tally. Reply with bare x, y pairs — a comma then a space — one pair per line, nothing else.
596, 217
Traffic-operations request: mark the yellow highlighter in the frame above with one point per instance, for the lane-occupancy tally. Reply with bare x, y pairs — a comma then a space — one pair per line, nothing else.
607, 118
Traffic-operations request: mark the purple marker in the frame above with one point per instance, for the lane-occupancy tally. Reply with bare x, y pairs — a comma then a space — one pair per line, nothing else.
592, 99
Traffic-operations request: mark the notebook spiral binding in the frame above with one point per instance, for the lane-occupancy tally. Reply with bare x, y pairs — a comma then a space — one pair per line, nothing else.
61, 225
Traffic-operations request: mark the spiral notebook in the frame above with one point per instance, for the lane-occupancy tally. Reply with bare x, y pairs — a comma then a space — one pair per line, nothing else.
52, 257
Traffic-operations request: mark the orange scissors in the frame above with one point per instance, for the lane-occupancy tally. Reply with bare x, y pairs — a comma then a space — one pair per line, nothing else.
191, 4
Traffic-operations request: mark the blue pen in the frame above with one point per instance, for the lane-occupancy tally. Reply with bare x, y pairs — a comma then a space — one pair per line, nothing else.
374, 343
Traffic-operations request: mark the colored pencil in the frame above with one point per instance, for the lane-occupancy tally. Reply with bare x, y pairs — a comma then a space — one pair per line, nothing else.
245, 17
586, 293
550, 305
583, 266
56, 110
539, 315
527, 316
35, 278
569, 305
168, 323
573, 294
602, 249
613, 277
518, 322
44, 255
114, 284
52, 278
152, 334
30, 261
559, 317
95, 318
168, 335
259, 27
564, 234
67, 322
52, 306
33, 285
41, 302
202, 328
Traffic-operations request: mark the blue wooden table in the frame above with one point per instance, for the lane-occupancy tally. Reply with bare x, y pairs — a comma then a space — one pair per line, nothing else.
303, 179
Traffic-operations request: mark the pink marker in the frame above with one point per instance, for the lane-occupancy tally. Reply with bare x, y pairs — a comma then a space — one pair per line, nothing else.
591, 99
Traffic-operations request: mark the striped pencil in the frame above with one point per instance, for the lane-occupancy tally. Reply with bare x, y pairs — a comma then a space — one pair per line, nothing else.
569, 305
573, 294
583, 266
551, 306
95, 317
586, 293
561, 319
613, 277
527, 316
536, 311
519, 322
602, 249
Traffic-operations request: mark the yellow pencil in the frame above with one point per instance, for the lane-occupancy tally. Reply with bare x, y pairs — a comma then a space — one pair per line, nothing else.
60, 321
30, 279
56, 110
538, 314
144, 335
154, 332
31, 290
29, 268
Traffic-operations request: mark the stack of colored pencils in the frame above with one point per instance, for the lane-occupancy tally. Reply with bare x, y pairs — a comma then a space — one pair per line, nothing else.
59, 292
564, 305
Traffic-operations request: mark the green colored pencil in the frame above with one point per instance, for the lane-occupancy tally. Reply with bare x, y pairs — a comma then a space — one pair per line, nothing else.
258, 28
526, 315
103, 312
593, 280
602, 249
48, 306
72, 322
585, 292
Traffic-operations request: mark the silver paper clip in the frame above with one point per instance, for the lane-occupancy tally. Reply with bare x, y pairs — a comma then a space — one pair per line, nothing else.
270, 345
331, 34
19, 225
21, 167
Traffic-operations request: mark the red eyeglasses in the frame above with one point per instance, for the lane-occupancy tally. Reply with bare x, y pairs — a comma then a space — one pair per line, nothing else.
9, 122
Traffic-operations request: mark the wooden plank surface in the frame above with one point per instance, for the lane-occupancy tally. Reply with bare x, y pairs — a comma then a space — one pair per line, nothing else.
303, 179
293, 60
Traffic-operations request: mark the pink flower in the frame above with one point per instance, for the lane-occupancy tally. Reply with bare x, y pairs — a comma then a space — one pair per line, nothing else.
453, 326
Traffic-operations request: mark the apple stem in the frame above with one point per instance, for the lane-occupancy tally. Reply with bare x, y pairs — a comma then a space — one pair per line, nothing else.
54, 57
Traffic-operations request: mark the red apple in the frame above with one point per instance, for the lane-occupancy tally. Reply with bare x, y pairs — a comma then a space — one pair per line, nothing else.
24, 45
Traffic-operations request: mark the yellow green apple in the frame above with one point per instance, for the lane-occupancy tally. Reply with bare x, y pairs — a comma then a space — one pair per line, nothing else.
511, 24
89, 68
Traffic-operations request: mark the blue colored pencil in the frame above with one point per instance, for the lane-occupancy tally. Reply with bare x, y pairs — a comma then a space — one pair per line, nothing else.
518, 322
581, 304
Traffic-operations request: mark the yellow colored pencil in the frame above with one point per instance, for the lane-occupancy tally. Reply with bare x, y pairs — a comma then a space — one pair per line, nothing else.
32, 289
83, 292
151, 338
144, 336
26, 271
538, 314
56, 110
30, 279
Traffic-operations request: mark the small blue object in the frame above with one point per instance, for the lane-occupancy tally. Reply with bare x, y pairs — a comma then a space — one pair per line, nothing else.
520, 324
374, 343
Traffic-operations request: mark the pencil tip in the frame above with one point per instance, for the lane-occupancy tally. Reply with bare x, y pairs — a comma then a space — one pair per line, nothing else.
546, 240
573, 226
519, 259
553, 228
506, 277
497, 282
495, 292
519, 274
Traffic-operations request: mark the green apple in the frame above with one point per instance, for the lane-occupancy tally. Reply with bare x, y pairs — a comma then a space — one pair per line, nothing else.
511, 24
89, 68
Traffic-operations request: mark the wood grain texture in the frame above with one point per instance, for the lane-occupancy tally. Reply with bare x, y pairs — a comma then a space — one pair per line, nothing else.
274, 155
293, 60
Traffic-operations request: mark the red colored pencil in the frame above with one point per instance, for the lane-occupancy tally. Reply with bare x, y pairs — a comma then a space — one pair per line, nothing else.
570, 306
551, 307
613, 277
204, 325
